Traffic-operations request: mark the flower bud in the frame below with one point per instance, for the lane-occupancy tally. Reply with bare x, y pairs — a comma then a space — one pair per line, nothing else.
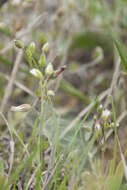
45, 47
32, 47
36, 73
98, 52
50, 93
19, 44
42, 60
49, 70
21, 108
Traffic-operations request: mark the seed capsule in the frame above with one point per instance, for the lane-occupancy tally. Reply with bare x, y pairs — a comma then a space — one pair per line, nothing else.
19, 44
45, 48
21, 108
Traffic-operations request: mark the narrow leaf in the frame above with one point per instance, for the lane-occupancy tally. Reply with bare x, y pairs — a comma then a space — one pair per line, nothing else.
122, 54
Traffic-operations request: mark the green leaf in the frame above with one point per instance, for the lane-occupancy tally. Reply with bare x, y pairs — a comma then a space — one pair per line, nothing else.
1, 169
22, 165
1, 172
122, 54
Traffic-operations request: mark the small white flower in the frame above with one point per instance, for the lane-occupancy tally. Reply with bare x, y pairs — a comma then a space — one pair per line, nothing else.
36, 73
105, 114
101, 106
112, 125
117, 125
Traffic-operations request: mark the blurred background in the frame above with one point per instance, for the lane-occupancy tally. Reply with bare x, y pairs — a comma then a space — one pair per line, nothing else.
80, 34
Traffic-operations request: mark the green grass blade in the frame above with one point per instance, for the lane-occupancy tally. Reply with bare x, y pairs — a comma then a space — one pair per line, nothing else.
116, 180
113, 162
28, 162
122, 54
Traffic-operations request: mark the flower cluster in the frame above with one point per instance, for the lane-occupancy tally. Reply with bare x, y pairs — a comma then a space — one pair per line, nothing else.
102, 122
40, 69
